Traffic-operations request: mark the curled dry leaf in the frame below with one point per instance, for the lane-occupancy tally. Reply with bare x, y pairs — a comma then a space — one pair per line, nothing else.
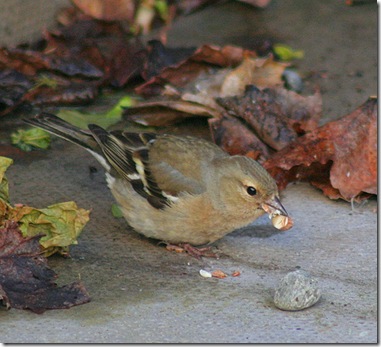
339, 157
262, 72
161, 112
236, 273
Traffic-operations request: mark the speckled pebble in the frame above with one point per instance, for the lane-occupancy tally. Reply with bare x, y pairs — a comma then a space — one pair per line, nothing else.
293, 80
297, 291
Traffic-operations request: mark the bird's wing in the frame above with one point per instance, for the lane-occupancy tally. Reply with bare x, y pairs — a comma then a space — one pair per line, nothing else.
135, 157
179, 163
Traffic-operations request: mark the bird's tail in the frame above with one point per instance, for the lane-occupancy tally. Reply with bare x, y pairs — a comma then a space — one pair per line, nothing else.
59, 127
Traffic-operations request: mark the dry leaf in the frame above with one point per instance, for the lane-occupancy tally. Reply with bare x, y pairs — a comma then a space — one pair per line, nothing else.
60, 224
339, 157
274, 114
262, 72
107, 9
234, 137
200, 61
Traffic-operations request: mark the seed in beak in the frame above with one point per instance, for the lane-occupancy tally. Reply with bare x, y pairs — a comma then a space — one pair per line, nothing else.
282, 222
278, 214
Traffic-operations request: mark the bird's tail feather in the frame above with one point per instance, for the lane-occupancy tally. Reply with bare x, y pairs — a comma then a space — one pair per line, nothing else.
59, 127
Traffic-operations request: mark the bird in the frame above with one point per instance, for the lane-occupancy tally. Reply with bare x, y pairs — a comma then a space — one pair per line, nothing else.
181, 190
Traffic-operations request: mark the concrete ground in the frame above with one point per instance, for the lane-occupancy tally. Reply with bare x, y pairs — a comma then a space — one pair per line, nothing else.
142, 293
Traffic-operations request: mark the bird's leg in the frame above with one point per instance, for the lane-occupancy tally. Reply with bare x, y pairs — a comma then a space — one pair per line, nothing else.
199, 252
193, 251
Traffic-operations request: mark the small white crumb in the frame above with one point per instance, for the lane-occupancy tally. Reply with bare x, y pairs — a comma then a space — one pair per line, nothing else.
205, 274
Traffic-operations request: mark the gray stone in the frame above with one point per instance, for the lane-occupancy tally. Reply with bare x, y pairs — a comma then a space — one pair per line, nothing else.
297, 291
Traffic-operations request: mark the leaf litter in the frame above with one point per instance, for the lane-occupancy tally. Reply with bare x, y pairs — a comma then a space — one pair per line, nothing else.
27, 236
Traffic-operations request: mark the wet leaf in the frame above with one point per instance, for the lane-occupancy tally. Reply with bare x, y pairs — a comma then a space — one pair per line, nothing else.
26, 282
339, 157
31, 138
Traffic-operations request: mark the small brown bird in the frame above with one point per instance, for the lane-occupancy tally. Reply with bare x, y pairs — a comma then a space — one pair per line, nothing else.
181, 190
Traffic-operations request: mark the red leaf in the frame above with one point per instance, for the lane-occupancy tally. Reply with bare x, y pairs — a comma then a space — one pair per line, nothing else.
339, 157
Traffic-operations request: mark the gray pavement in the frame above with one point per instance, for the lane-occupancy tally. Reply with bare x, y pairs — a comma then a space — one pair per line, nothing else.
142, 293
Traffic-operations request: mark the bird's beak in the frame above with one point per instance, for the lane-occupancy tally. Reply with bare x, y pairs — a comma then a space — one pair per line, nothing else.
274, 207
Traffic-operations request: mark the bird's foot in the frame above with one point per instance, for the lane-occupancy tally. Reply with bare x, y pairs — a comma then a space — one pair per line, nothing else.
192, 251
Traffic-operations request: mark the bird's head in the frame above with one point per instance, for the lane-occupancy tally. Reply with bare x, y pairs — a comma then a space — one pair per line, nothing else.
247, 188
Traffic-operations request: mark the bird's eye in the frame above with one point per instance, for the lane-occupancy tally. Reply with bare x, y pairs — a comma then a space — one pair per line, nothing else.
251, 191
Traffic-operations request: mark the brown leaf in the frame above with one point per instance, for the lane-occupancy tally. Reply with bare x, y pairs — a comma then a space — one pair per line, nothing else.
71, 93
262, 72
339, 157
161, 112
234, 137
201, 60
255, 109
29, 61
158, 57
274, 114
107, 9
13, 86
25, 280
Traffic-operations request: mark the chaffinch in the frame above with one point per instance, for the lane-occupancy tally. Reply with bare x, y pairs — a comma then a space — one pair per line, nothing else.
181, 190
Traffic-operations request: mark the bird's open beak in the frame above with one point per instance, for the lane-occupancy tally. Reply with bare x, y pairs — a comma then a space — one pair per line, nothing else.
274, 207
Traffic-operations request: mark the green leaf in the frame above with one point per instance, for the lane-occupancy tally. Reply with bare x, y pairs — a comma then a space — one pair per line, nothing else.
4, 189
162, 8
61, 223
31, 138
105, 120
116, 212
286, 53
